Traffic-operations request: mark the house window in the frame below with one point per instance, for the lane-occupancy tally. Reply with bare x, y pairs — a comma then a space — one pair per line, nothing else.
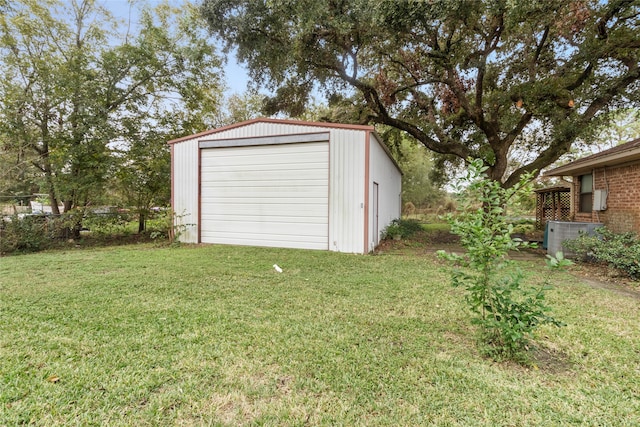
586, 193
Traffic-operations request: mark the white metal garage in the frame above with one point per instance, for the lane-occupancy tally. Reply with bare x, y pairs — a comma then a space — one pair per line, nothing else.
284, 183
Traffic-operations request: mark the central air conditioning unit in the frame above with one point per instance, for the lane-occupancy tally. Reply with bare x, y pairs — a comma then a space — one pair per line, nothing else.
559, 231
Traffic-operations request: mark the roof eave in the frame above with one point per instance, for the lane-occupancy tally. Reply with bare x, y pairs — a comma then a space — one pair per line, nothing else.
270, 120
581, 167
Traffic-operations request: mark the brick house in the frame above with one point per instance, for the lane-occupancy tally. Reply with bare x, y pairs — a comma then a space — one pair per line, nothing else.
606, 187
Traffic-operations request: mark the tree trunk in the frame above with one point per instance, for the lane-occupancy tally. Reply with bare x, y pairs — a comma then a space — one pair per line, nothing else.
142, 222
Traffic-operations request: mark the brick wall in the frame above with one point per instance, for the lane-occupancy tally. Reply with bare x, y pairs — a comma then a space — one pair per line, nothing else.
623, 199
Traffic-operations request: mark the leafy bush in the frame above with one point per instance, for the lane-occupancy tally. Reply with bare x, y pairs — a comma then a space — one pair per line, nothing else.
33, 233
506, 311
107, 224
523, 226
160, 225
620, 251
403, 228
26, 234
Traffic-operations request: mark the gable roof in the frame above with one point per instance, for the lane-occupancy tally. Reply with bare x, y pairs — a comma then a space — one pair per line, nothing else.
620, 154
267, 120
366, 128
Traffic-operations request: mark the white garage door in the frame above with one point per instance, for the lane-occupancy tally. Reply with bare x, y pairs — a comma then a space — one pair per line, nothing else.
266, 195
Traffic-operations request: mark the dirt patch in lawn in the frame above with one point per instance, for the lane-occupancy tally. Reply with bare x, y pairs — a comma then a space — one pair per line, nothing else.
550, 360
431, 242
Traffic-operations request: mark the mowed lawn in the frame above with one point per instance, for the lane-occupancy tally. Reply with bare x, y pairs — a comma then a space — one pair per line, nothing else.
212, 335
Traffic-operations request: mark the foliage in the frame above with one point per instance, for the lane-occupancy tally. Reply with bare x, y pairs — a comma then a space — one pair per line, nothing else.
37, 232
620, 126
403, 228
176, 225
73, 88
161, 226
144, 173
34, 233
108, 224
523, 226
623, 127
620, 251
26, 234
494, 80
416, 165
243, 107
507, 311
17, 177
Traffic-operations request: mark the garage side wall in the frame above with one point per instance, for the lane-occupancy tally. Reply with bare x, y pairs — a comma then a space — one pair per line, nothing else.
383, 172
184, 190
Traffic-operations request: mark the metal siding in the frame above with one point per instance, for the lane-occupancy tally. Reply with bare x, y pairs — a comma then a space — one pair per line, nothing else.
345, 198
384, 172
346, 204
265, 140
262, 129
269, 195
185, 189
346, 178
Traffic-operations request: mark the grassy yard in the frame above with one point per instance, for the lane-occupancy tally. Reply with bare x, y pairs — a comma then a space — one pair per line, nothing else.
140, 335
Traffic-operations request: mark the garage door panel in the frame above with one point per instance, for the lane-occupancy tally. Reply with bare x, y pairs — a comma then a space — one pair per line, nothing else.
266, 195
272, 228
263, 175
269, 241
260, 199
234, 164
259, 195
250, 183
241, 238
276, 210
266, 161
256, 156
262, 217
316, 188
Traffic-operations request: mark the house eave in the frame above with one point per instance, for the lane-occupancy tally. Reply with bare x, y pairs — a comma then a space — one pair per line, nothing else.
580, 167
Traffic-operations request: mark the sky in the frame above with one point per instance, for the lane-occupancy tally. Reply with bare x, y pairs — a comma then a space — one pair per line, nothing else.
236, 76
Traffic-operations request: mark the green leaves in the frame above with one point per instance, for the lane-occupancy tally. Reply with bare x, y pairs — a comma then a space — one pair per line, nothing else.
620, 251
512, 83
506, 311
76, 97
558, 262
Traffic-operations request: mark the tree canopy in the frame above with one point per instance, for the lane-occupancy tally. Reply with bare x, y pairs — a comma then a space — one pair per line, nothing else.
81, 91
515, 84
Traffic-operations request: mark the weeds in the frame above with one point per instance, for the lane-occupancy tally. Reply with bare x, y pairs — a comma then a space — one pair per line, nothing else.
401, 228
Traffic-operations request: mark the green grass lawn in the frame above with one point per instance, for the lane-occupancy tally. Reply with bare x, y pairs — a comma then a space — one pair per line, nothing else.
141, 335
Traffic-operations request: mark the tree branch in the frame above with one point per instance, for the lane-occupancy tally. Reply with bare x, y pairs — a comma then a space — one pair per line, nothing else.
383, 117
536, 56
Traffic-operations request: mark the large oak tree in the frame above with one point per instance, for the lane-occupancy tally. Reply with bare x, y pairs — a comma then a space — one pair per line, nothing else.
514, 83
